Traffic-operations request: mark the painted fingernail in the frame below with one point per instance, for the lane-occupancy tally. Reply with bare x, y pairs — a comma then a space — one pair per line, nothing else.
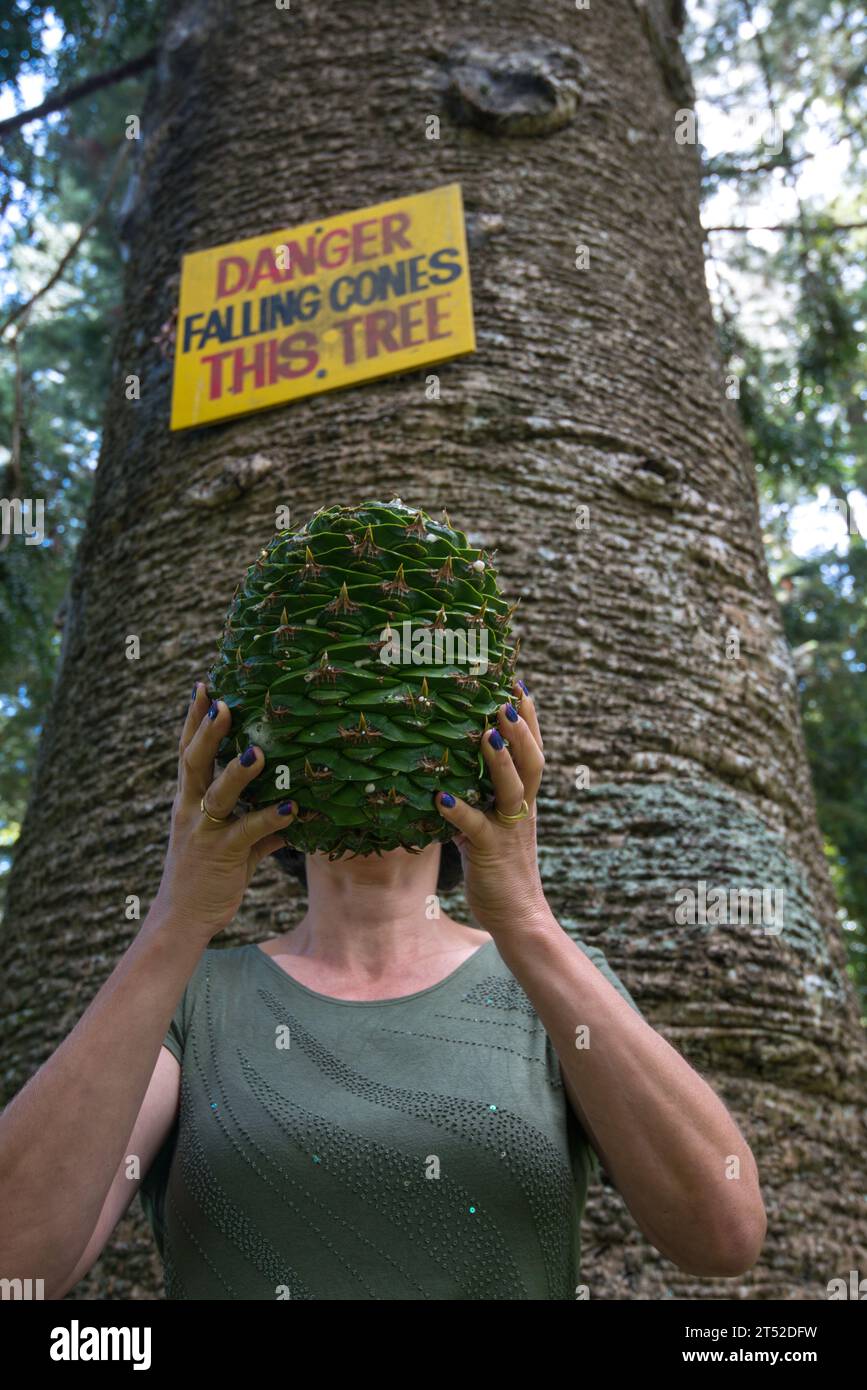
512, 713
447, 799
523, 687
285, 808
496, 740
195, 692
248, 757
213, 710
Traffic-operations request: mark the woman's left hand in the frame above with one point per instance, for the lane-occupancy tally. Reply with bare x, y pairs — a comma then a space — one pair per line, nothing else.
501, 870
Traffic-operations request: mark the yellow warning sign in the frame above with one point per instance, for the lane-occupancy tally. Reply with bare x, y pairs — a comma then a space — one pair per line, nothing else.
333, 303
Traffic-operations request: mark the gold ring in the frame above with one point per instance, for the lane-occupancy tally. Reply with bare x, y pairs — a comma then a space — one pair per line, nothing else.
218, 820
512, 820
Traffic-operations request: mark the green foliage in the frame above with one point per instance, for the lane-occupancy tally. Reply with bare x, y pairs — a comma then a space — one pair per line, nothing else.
792, 310
52, 176
95, 36
826, 623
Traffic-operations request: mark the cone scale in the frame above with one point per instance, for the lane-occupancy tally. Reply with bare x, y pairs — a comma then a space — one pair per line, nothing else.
316, 669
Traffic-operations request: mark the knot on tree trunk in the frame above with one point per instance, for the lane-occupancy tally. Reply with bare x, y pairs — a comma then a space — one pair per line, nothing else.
481, 226
235, 478
651, 478
519, 93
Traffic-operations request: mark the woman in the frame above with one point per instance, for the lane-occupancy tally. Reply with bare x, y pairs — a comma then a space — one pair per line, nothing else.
384, 1103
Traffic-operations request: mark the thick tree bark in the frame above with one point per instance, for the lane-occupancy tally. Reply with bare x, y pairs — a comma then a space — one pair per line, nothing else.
598, 387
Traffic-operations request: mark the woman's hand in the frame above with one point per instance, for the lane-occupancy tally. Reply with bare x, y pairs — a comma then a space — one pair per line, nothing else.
501, 871
208, 866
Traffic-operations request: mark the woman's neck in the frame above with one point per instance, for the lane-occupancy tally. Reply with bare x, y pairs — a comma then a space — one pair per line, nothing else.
368, 914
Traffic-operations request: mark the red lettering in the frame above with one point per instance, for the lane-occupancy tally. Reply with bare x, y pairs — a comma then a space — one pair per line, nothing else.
407, 324
256, 369
347, 328
303, 260
414, 323
301, 345
396, 237
379, 329
265, 268
342, 253
359, 240
434, 316
224, 269
215, 376
263, 366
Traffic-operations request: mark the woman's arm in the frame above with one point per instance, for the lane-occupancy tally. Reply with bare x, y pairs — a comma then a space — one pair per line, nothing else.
158, 1113
64, 1135
673, 1150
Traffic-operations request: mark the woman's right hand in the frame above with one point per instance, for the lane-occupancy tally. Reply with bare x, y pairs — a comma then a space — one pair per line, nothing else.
208, 866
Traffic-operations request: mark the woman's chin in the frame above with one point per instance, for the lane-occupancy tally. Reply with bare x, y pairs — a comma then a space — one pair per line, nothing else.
375, 865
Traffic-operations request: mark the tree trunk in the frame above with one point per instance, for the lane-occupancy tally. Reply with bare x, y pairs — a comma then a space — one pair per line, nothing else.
599, 387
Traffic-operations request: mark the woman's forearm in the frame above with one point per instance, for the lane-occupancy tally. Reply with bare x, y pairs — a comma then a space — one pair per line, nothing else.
62, 1137
671, 1147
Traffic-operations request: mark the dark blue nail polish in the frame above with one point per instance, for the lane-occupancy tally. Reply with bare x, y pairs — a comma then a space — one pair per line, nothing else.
496, 740
248, 757
195, 692
523, 687
447, 799
213, 710
512, 713
285, 808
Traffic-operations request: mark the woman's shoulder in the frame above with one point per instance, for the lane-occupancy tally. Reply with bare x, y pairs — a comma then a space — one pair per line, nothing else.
500, 986
219, 963
226, 958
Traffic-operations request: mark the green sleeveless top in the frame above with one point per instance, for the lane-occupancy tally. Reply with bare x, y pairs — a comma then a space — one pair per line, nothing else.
413, 1148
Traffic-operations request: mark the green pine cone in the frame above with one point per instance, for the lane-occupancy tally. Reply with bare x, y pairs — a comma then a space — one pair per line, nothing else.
315, 664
